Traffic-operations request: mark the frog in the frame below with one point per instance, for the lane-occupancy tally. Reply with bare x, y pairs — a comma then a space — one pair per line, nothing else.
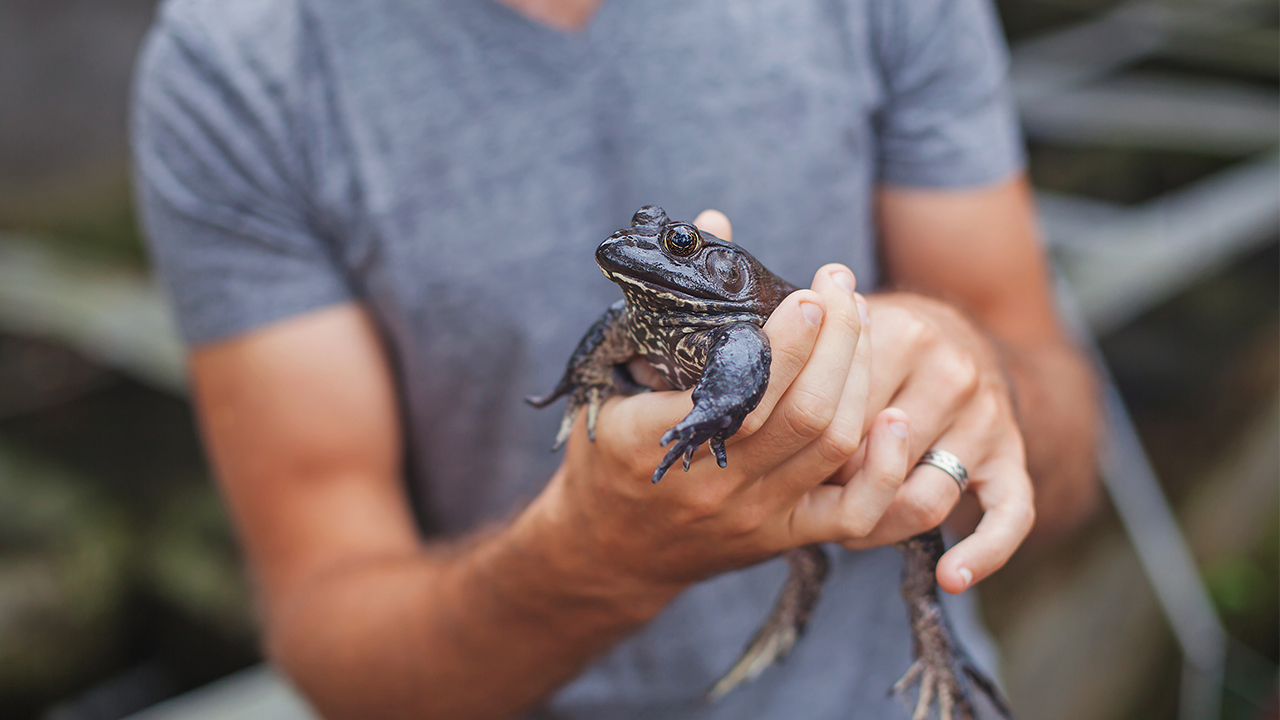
694, 307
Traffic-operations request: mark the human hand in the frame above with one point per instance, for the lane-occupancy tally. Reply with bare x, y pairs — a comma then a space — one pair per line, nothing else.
931, 362
810, 421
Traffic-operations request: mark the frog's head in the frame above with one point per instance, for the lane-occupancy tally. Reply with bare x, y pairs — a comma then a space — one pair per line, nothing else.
663, 265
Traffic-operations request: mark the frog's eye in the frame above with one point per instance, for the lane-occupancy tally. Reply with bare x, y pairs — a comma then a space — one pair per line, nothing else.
681, 240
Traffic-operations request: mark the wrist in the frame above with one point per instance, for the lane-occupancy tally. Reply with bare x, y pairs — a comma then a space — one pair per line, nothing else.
547, 562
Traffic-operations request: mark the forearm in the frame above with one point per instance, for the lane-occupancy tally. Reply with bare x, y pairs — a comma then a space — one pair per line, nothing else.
1056, 400
483, 629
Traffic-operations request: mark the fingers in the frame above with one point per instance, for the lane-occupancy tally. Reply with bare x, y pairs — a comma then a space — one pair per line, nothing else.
643, 372
835, 513
842, 438
793, 330
809, 404
926, 497
633, 424
944, 393
1010, 513
715, 222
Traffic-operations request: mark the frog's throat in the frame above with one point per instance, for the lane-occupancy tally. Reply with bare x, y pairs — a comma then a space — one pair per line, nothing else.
692, 320
657, 301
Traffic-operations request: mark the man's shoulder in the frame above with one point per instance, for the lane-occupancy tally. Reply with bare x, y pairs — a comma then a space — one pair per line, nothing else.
264, 28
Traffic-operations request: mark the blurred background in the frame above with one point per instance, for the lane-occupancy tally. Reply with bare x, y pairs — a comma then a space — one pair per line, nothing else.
1152, 130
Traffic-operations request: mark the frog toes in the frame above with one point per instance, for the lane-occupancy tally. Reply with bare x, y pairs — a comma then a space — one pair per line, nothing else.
566, 426
717, 447
594, 399
667, 462
688, 435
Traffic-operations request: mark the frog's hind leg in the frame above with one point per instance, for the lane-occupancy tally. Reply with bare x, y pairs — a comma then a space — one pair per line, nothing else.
779, 633
943, 671
592, 375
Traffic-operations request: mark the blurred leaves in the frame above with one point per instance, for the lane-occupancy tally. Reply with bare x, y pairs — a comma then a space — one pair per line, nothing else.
62, 574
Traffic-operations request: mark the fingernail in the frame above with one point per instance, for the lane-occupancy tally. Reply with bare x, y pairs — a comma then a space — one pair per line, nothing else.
966, 575
812, 313
900, 429
863, 315
844, 280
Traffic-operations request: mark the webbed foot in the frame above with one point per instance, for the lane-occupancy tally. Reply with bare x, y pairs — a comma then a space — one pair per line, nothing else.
589, 397
942, 669
698, 427
941, 686
786, 622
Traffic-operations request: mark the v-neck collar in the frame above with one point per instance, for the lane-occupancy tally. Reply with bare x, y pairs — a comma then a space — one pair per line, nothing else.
495, 20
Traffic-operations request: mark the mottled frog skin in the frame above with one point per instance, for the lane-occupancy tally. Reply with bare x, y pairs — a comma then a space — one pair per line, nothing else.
694, 307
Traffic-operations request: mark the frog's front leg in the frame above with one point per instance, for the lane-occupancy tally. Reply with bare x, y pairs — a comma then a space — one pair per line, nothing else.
732, 383
592, 375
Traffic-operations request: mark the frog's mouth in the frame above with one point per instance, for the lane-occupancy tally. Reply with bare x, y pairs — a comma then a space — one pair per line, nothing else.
655, 286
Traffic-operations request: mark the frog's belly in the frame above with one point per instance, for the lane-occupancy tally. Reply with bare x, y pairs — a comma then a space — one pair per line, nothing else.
678, 354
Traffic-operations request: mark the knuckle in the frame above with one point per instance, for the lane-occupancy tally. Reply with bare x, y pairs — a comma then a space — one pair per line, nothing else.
887, 481
855, 524
807, 414
850, 320
789, 355
1027, 518
747, 519
703, 502
838, 444
917, 333
986, 410
928, 511
961, 373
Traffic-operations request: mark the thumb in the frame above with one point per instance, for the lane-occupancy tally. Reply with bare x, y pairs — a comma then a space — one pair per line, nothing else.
716, 223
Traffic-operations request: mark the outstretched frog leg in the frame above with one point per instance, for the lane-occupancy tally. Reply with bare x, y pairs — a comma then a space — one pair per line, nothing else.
942, 669
779, 633
593, 374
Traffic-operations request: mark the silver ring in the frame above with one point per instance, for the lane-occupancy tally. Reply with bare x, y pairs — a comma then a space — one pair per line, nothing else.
949, 464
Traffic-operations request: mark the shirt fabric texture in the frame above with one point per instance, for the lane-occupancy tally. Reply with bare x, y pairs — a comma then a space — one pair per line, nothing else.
452, 165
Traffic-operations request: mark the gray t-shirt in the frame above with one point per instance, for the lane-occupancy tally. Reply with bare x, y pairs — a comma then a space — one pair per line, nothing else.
453, 165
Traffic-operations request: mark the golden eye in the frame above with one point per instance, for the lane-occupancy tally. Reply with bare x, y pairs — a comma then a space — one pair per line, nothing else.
681, 240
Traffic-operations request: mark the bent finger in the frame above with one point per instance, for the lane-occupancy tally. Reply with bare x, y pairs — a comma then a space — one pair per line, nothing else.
843, 436
793, 331
1010, 513
834, 513
923, 501
810, 403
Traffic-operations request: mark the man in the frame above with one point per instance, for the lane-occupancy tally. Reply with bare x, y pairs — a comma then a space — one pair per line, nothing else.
377, 221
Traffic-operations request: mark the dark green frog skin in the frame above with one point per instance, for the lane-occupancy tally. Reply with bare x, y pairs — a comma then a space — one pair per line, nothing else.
694, 307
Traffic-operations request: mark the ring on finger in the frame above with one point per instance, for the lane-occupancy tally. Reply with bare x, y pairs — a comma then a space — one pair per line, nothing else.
949, 464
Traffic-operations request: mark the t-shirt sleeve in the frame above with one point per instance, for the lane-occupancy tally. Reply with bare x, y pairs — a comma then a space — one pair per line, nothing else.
222, 177
949, 119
